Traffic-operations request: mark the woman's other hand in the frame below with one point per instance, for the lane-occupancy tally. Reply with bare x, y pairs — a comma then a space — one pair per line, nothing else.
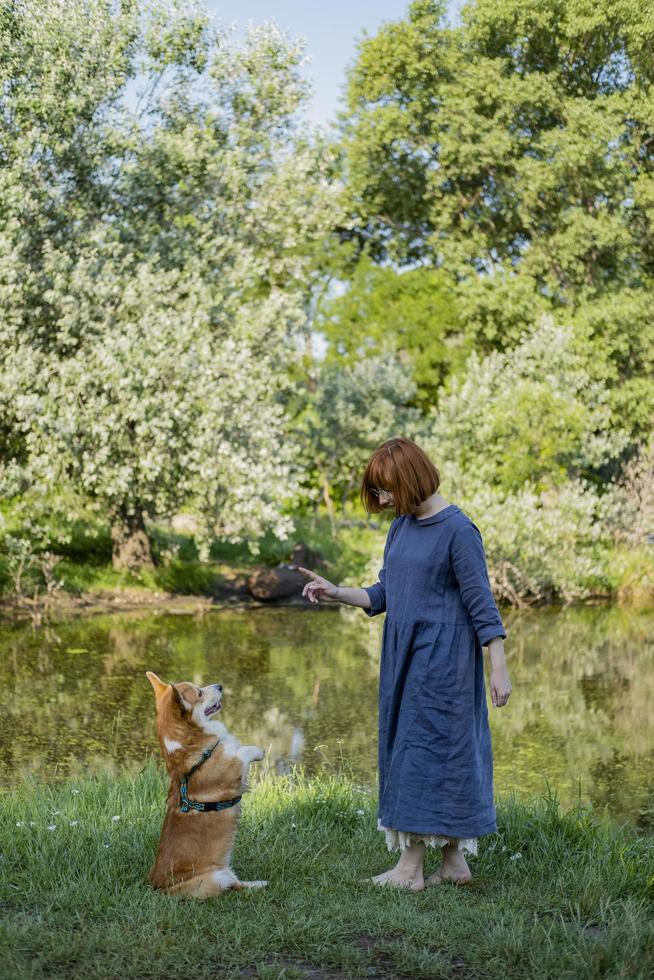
500, 686
318, 588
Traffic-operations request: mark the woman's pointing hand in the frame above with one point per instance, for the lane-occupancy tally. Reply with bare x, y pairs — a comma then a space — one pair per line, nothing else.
318, 588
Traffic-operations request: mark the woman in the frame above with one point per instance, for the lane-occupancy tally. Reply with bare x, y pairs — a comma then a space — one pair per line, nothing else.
435, 756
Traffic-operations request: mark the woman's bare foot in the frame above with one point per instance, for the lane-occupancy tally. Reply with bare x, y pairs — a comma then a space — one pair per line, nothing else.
408, 872
454, 868
400, 879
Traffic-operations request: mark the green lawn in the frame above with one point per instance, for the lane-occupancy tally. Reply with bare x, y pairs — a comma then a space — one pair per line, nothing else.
560, 895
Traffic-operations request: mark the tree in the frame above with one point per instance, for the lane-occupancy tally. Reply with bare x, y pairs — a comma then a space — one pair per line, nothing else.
516, 152
527, 445
412, 312
154, 261
533, 415
350, 410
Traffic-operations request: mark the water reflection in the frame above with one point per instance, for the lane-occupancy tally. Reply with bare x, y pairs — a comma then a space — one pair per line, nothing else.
303, 684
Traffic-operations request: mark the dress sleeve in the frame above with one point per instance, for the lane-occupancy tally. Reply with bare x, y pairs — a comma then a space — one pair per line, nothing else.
377, 592
468, 560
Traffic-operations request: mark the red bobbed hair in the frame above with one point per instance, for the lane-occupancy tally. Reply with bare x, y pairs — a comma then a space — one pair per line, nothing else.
403, 469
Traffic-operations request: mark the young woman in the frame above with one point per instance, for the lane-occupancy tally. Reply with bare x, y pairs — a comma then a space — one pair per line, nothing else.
435, 755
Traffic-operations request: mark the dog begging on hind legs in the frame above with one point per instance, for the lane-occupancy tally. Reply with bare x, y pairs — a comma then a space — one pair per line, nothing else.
207, 772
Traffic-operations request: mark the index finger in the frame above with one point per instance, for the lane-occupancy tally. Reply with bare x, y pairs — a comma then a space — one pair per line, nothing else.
306, 571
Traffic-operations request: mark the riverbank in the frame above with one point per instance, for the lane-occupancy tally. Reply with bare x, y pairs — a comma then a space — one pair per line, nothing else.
70, 570
66, 606
185, 588
194, 587
555, 894
83, 580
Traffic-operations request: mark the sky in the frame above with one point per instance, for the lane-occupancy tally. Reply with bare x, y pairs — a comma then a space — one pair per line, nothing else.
330, 30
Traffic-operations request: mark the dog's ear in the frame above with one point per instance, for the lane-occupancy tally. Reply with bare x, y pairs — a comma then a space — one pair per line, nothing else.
181, 700
158, 685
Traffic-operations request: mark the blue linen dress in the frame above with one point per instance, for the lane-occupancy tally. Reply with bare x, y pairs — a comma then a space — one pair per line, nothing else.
435, 755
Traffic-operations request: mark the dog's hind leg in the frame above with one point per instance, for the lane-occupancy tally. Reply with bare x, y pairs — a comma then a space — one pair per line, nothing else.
230, 880
211, 883
202, 886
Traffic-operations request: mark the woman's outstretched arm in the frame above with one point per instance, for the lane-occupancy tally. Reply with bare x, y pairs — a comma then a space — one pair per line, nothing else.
320, 589
370, 598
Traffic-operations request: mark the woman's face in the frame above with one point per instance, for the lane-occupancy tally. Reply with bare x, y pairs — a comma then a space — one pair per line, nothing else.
384, 497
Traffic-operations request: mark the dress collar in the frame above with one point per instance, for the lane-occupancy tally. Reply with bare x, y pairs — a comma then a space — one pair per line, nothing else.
442, 515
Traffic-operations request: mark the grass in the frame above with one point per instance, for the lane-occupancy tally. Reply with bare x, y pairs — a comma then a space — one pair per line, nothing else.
556, 894
176, 577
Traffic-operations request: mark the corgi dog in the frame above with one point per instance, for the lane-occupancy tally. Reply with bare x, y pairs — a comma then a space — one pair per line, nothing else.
208, 771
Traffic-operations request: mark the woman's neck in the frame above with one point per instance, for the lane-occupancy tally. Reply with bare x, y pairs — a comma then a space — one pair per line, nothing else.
432, 505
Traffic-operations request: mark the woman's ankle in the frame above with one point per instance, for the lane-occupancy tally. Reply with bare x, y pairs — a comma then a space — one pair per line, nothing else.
412, 858
455, 864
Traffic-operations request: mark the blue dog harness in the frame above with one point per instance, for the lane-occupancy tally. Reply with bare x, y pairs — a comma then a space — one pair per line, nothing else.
185, 804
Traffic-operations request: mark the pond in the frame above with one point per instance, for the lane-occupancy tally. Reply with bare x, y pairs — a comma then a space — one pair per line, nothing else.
302, 683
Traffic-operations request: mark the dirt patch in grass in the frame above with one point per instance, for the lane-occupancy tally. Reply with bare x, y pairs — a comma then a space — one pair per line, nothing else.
298, 968
382, 961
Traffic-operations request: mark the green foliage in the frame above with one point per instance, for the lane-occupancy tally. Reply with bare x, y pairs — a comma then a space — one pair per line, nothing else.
165, 246
630, 574
411, 313
546, 546
348, 410
543, 546
536, 414
84, 548
515, 152
527, 445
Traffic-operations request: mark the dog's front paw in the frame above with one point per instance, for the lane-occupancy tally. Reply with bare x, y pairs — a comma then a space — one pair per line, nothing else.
251, 753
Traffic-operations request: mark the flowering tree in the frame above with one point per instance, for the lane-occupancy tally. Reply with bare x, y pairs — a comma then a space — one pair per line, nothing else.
526, 443
154, 261
534, 414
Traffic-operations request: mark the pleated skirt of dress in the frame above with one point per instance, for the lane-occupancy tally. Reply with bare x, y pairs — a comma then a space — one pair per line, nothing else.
435, 755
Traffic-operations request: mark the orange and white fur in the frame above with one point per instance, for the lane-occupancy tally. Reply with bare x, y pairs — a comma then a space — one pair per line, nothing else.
195, 848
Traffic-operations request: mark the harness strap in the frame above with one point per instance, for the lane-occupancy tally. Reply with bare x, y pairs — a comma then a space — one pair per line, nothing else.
186, 804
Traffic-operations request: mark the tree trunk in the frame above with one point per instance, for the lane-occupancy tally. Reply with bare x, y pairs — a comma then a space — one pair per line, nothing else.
329, 503
345, 497
130, 543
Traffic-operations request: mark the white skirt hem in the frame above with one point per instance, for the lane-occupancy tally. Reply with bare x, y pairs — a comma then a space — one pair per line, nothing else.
397, 840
